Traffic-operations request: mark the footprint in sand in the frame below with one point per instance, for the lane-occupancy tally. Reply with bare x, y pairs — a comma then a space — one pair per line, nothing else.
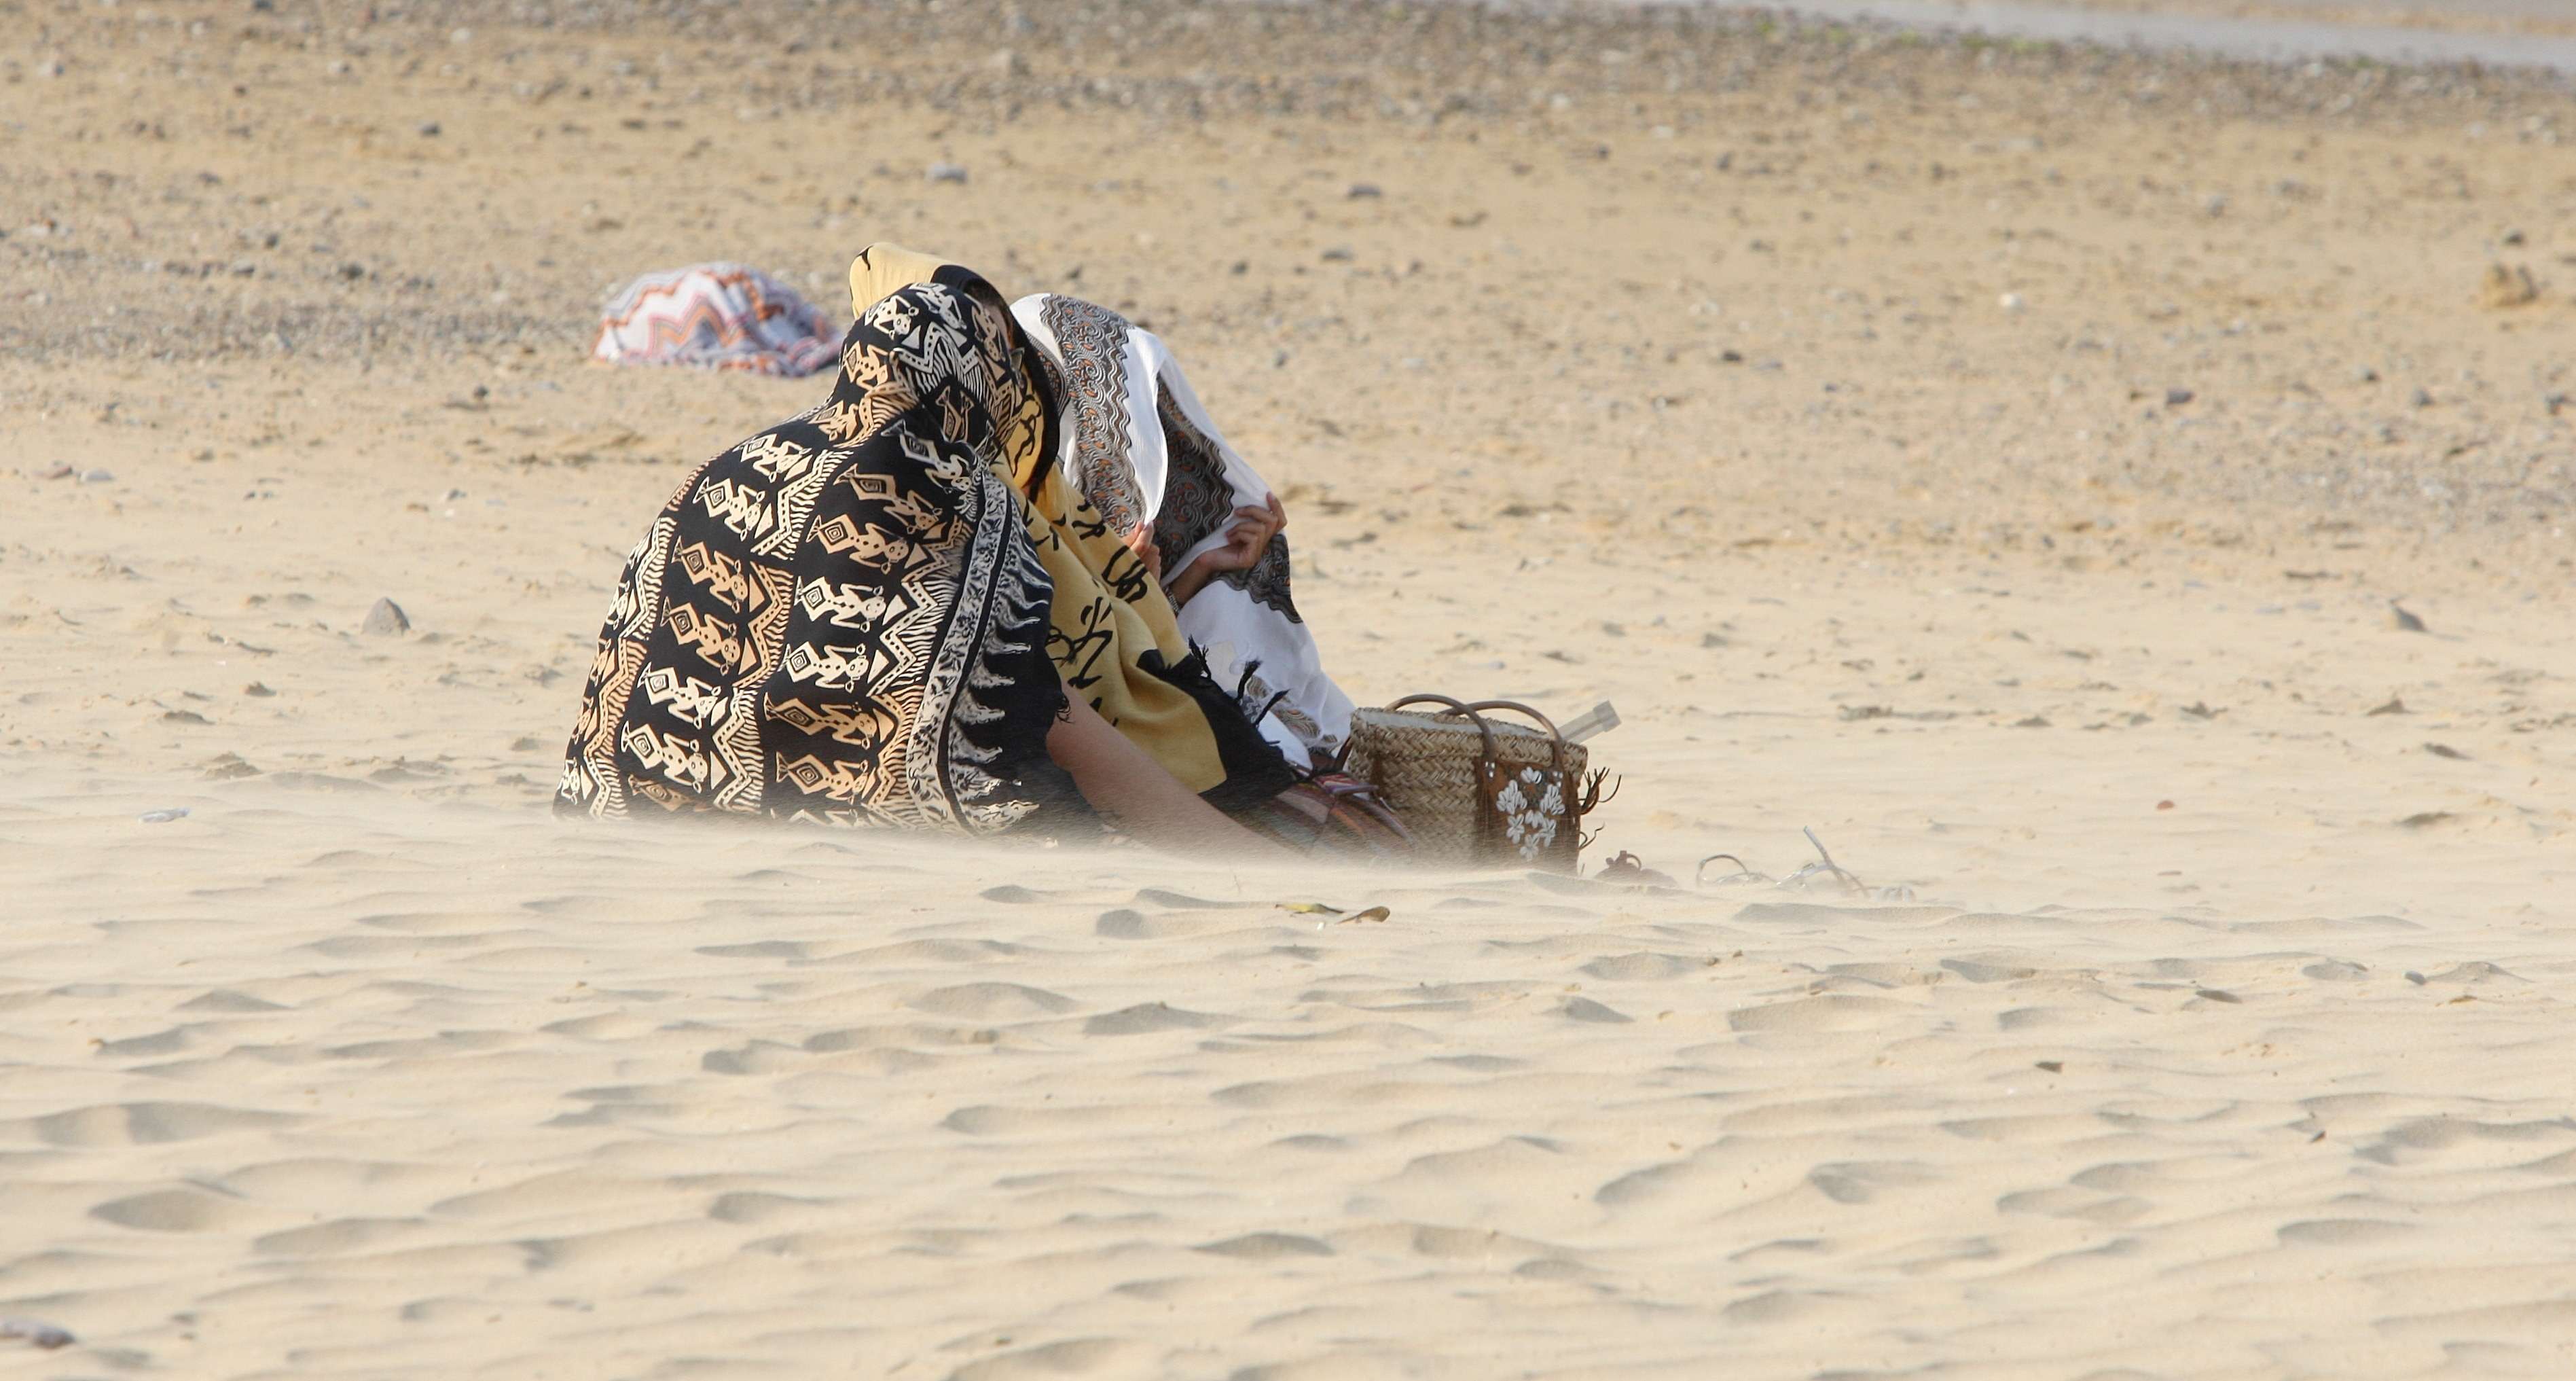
149, 1124
339, 1237
1072, 1357
183, 1209
985, 1001
1834, 1013
1642, 967
1146, 1017
1266, 1246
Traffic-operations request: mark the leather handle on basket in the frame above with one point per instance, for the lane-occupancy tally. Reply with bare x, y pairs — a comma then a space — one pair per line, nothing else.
1543, 722
1493, 750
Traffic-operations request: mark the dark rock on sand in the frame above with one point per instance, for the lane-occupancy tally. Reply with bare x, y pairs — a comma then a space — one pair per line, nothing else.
43, 1335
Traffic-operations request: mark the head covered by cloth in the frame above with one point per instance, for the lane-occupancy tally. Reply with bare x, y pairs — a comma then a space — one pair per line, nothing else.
867, 614
1113, 632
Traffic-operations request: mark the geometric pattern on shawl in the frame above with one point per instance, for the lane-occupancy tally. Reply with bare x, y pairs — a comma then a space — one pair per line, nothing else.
842, 619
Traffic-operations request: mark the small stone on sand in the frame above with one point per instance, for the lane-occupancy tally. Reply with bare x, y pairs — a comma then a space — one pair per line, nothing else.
42, 1335
2507, 286
386, 619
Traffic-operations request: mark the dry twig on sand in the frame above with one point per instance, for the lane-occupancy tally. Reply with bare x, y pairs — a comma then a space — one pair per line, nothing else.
1802, 880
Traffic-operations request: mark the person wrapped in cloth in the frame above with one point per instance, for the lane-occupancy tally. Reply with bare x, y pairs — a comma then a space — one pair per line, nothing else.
1007, 577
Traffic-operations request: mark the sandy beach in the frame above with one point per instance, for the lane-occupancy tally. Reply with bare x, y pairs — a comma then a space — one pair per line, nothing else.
2121, 500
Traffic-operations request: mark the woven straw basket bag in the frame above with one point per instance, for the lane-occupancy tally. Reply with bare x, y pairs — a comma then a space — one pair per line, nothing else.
1476, 792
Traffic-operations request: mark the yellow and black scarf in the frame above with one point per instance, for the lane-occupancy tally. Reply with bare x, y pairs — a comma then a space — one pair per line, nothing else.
1113, 632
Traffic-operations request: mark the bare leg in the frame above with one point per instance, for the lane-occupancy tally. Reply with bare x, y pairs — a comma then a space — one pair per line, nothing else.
1135, 794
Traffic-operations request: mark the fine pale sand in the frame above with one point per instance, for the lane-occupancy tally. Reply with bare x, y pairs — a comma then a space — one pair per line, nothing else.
2003, 461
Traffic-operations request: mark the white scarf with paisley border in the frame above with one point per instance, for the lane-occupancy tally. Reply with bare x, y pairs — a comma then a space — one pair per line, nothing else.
1138, 443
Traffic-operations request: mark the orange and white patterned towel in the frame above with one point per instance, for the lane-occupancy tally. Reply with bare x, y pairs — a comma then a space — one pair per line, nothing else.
716, 316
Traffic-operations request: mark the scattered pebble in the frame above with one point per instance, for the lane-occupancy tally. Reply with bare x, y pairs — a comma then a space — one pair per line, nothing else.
163, 817
2406, 621
2010, 302
56, 472
1364, 191
386, 619
2507, 286
429, 129
945, 172
2394, 706
2444, 750
2364, 374
2421, 398
29, 1331
97, 477
257, 691
2176, 397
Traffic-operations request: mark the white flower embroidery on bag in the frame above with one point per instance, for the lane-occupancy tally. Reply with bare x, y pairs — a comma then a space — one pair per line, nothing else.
1531, 804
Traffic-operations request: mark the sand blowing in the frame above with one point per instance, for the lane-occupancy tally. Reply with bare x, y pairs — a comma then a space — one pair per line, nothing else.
2077, 541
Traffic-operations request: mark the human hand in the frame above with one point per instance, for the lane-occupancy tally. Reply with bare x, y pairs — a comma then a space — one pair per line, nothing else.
1245, 544
1254, 526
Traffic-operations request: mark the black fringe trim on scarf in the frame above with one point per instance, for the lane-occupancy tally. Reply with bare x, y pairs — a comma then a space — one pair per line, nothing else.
1254, 770
1025, 768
